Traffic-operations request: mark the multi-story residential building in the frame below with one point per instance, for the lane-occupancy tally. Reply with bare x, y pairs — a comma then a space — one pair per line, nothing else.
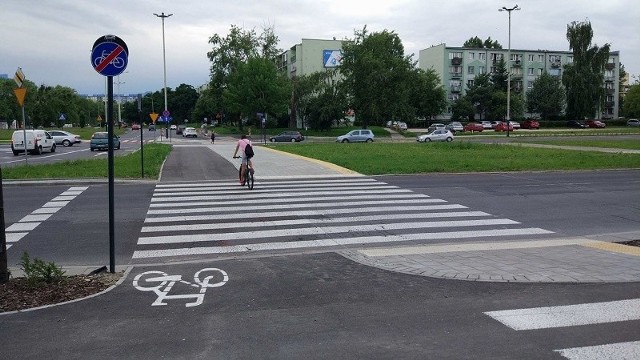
458, 67
310, 56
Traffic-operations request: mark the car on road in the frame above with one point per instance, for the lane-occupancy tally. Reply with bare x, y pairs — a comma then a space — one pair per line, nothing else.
180, 129
65, 138
287, 136
190, 132
173, 127
454, 126
597, 124
530, 124
403, 126
38, 141
633, 122
576, 124
100, 141
436, 135
473, 127
486, 124
135, 126
152, 127
502, 126
362, 135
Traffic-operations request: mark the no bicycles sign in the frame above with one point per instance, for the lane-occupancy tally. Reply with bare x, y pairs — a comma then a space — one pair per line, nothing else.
109, 55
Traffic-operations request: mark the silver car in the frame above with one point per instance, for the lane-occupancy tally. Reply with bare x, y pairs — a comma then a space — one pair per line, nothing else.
362, 135
64, 138
436, 135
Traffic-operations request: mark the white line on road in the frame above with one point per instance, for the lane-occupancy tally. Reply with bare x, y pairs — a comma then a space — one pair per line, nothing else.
622, 351
250, 195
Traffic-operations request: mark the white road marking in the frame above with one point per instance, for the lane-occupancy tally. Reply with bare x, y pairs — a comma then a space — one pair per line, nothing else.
235, 190
250, 195
20, 226
293, 182
334, 242
14, 237
569, 315
625, 350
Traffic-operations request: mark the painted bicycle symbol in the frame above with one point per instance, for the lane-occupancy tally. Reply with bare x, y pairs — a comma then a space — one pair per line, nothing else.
161, 284
117, 62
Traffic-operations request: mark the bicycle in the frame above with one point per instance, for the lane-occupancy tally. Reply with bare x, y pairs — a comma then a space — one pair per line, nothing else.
248, 175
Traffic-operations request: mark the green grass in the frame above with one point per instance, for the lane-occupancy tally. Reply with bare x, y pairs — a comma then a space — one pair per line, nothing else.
616, 144
125, 167
457, 157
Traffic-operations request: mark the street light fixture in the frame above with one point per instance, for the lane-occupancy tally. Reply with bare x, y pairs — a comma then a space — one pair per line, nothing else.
164, 61
509, 10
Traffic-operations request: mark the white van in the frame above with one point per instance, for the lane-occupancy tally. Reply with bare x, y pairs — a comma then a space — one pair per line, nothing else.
38, 141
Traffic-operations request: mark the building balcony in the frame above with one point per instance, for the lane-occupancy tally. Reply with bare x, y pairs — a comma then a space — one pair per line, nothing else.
609, 78
610, 91
516, 63
610, 66
609, 104
455, 74
555, 64
516, 76
456, 89
456, 61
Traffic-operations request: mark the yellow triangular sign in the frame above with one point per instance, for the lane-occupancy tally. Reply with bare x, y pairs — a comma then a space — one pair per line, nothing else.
154, 117
20, 94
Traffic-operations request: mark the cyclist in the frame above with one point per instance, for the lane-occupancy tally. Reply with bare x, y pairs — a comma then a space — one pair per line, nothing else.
241, 145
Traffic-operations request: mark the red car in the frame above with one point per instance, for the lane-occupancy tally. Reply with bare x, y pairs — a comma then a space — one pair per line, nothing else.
530, 124
473, 127
503, 127
135, 127
595, 124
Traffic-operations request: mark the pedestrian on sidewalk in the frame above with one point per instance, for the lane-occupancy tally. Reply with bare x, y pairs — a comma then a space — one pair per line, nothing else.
213, 136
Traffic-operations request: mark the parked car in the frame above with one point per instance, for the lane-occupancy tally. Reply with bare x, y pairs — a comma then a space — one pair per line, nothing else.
576, 124
65, 138
173, 127
180, 129
152, 127
495, 123
436, 135
530, 124
454, 126
435, 126
515, 124
100, 141
486, 124
502, 126
38, 141
473, 127
595, 124
633, 122
190, 132
135, 127
362, 135
287, 136
402, 126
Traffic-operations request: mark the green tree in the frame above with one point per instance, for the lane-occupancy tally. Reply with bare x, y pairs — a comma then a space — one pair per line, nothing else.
477, 43
429, 98
257, 87
462, 110
546, 97
499, 77
622, 74
632, 102
377, 74
480, 94
583, 78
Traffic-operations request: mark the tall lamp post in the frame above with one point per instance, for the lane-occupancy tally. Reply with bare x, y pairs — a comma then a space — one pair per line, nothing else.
509, 10
164, 61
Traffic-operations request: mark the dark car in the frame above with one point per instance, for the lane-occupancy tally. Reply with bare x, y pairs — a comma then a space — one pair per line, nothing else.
287, 136
180, 129
100, 141
576, 124
530, 124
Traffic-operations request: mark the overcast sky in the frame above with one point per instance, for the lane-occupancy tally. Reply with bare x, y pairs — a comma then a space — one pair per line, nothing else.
51, 40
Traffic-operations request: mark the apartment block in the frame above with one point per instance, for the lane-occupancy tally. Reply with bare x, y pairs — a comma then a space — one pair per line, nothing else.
310, 56
458, 67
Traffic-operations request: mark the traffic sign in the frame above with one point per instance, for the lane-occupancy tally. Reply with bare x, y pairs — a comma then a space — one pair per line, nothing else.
165, 113
154, 117
109, 55
19, 77
20, 94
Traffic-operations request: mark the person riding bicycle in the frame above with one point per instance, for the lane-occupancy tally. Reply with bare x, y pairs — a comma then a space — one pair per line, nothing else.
242, 145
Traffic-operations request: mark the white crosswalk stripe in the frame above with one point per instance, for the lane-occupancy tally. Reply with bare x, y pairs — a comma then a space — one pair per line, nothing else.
551, 317
221, 217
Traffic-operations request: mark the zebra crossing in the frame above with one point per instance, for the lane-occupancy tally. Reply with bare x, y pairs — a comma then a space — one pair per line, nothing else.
578, 315
189, 219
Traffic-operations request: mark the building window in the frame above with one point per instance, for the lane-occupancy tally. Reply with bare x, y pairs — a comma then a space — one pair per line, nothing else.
472, 56
470, 83
481, 70
530, 71
539, 72
531, 57
470, 70
541, 58
529, 84
482, 56
570, 59
554, 72
516, 71
457, 70
455, 55
494, 69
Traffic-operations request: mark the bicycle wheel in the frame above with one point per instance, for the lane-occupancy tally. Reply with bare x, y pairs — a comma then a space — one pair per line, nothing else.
249, 178
240, 176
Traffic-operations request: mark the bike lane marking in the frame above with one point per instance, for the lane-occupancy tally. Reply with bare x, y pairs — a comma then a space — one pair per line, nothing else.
163, 284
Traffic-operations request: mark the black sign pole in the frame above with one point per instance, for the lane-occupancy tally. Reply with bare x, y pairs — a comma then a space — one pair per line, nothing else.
112, 257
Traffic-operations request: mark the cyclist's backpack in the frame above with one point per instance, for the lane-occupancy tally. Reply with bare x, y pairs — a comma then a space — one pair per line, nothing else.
248, 151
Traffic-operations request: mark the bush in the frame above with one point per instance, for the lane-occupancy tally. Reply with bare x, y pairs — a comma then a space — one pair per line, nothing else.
38, 271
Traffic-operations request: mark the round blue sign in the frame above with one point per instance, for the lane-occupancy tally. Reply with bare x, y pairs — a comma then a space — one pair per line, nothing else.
109, 55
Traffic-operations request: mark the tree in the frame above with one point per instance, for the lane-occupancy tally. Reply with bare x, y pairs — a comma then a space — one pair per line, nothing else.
429, 98
257, 87
632, 102
499, 77
462, 110
477, 43
376, 75
480, 94
546, 97
583, 78
622, 75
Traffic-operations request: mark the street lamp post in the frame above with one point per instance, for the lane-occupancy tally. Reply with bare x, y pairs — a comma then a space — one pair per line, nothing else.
509, 10
119, 101
164, 61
